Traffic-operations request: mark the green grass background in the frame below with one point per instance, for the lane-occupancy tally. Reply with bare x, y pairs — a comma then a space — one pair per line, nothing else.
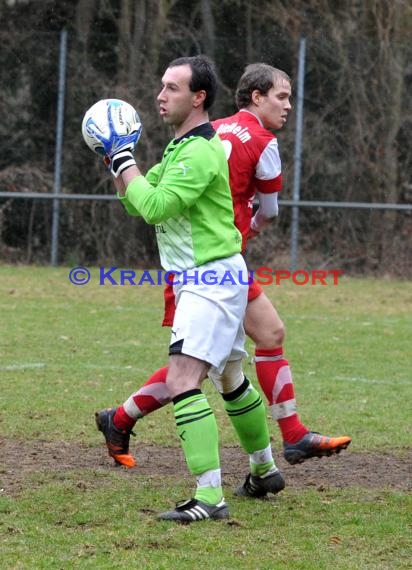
66, 351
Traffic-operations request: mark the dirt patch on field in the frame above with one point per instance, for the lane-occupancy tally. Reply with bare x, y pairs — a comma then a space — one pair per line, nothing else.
22, 459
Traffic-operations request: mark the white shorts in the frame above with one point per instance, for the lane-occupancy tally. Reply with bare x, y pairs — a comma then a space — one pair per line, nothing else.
208, 322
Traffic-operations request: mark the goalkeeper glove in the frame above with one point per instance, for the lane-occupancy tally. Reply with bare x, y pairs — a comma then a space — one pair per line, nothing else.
118, 148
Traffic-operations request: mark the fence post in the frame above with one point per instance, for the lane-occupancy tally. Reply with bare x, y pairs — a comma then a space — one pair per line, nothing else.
59, 144
298, 156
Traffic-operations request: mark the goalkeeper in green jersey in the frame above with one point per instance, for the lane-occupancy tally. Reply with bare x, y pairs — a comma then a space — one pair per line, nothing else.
187, 197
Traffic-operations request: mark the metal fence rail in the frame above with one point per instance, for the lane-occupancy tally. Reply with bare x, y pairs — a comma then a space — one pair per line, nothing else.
295, 204
287, 203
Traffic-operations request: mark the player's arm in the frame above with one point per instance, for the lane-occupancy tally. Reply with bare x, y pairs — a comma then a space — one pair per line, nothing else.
119, 185
184, 179
151, 176
268, 210
268, 180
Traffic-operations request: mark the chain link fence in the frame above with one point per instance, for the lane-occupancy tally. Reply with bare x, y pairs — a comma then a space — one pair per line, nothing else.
354, 209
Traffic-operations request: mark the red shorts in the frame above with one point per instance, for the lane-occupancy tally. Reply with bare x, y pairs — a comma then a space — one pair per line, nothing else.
169, 297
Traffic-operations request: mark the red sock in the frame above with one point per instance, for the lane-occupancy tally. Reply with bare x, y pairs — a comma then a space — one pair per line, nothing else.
275, 379
150, 397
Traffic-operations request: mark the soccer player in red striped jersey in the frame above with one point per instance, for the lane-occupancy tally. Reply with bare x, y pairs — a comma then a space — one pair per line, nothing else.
263, 100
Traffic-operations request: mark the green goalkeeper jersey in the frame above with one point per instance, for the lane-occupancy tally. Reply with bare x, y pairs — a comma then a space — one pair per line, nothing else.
187, 196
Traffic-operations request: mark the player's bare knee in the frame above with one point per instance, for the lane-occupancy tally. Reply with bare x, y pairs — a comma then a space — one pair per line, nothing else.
185, 373
271, 338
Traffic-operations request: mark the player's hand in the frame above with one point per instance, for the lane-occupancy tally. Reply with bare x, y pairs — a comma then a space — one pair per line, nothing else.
252, 233
115, 142
118, 148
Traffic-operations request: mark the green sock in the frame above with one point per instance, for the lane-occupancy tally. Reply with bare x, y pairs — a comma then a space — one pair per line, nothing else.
261, 462
247, 413
197, 430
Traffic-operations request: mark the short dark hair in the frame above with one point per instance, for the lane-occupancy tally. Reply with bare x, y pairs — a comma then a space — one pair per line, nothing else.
257, 77
204, 76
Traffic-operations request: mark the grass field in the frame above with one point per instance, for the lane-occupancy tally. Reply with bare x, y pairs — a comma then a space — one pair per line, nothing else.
66, 351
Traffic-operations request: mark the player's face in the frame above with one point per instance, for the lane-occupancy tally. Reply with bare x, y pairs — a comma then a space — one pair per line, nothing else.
274, 107
175, 98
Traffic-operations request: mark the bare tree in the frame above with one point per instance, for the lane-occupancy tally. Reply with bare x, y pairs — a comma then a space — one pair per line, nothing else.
357, 110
